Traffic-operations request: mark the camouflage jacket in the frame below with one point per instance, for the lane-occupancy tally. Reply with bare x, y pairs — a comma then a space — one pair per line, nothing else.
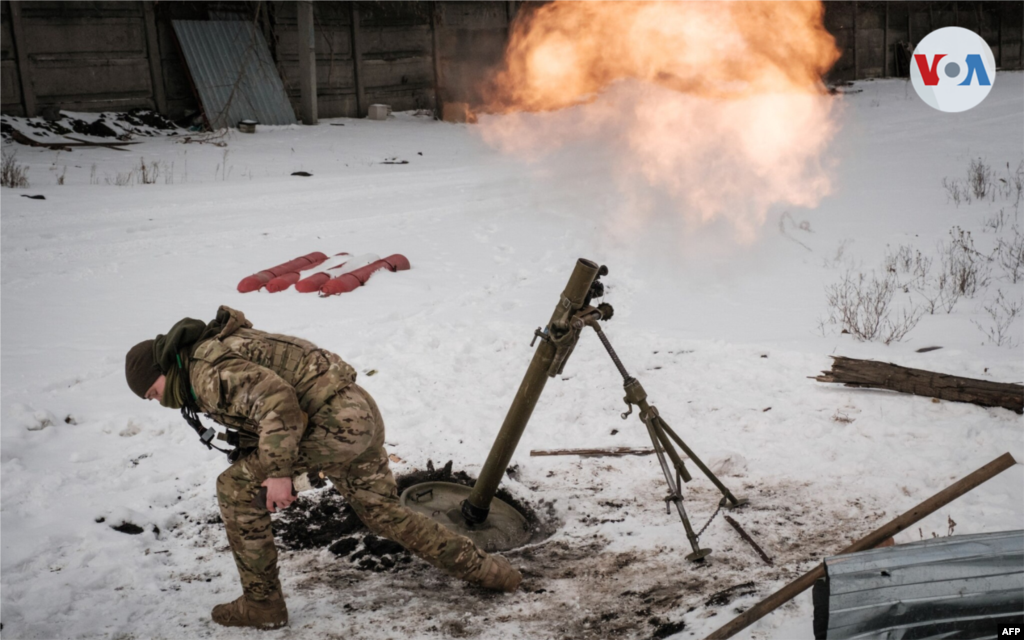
265, 384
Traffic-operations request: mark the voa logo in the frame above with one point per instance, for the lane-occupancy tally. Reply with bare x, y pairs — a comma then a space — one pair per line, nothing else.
953, 69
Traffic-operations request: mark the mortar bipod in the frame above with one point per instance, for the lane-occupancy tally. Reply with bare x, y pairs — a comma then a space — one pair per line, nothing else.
662, 438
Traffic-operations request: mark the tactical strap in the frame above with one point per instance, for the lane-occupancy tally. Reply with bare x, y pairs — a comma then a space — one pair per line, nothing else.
190, 411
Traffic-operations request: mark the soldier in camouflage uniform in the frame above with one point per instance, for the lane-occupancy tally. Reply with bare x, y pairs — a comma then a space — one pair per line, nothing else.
306, 414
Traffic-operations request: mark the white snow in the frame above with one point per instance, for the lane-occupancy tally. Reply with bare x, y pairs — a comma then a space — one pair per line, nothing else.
717, 332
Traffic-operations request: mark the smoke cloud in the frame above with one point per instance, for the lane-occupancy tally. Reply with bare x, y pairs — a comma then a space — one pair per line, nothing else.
719, 106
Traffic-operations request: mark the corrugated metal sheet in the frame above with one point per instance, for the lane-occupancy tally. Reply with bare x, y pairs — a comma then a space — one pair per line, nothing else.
233, 73
955, 587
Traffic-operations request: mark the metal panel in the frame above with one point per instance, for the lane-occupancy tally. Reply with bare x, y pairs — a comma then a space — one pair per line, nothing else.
233, 73
960, 586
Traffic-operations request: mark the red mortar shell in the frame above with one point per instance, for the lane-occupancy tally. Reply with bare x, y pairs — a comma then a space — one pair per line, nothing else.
258, 280
312, 283
280, 283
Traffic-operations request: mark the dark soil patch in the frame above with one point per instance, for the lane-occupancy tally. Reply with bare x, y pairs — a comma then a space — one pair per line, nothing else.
666, 629
130, 528
344, 546
382, 546
316, 521
146, 118
725, 596
325, 519
98, 128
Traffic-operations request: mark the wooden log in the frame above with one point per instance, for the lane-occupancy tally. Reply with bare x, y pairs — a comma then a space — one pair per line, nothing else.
612, 452
883, 375
870, 541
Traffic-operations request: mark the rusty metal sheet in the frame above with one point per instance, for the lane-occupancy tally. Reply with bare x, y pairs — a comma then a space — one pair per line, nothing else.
954, 587
233, 74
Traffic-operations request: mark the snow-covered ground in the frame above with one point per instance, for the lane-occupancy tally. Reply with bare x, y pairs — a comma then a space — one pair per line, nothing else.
722, 335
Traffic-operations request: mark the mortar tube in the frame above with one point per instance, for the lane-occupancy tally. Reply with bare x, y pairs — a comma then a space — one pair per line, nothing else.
476, 507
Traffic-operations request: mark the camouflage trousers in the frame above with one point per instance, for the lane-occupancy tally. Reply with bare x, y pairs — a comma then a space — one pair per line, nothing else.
345, 440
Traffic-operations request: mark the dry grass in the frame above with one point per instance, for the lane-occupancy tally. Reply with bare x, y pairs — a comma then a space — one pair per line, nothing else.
12, 174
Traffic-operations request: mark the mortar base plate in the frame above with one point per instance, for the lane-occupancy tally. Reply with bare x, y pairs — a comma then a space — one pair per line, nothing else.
504, 529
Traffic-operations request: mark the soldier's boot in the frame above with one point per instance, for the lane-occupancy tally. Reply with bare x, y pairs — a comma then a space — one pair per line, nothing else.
496, 573
259, 614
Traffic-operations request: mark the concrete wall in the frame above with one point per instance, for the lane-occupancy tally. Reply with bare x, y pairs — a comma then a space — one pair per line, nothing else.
394, 64
404, 48
866, 32
87, 56
102, 55
470, 43
10, 81
94, 56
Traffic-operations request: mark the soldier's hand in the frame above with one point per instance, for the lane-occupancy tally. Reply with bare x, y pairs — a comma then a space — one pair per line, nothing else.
279, 493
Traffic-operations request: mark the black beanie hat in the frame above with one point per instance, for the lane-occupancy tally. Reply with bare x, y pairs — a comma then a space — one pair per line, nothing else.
140, 368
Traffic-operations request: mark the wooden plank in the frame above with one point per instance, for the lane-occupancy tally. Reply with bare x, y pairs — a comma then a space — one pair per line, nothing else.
328, 15
373, 15
402, 98
872, 59
67, 12
9, 87
388, 73
395, 42
870, 541
487, 45
125, 36
885, 44
999, 37
435, 39
357, 61
610, 452
6, 49
339, 75
332, 41
155, 59
856, 62
474, 15
339, 105
91, 77
28, 93
103, 102
306, 49
394, 14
